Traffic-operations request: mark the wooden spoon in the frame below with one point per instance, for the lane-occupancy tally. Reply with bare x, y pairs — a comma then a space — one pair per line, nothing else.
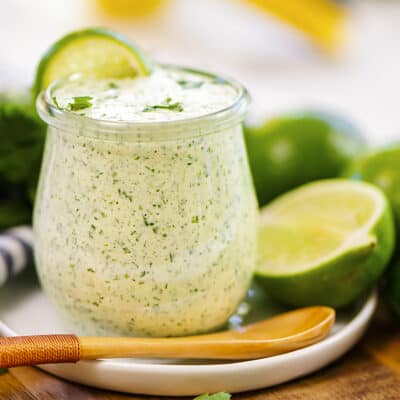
279, 334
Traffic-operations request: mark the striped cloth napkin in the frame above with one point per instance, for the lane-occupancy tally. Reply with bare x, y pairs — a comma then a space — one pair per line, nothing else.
16, 251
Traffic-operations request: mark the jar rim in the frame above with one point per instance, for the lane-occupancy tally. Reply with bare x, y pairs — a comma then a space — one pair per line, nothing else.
190, 127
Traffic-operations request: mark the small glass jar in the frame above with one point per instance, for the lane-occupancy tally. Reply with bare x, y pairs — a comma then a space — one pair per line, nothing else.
145, 229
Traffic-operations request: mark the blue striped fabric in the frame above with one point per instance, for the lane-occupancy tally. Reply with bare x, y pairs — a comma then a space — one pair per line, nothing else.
16, 251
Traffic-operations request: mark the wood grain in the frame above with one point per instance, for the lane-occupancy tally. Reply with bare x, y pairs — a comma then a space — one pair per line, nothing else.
370, 372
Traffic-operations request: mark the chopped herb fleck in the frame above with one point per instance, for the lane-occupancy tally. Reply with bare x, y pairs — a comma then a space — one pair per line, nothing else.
166, 105
189, 84
146, 221
195, 219
113, 85
56, 102
122, 193
3, 371
90, 270
80, 103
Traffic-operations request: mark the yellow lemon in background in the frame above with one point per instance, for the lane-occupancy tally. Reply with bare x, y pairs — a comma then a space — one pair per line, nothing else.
129, 8
322, 21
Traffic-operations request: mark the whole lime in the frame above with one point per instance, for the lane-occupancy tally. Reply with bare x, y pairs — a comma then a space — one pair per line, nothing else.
293, 149
382, 168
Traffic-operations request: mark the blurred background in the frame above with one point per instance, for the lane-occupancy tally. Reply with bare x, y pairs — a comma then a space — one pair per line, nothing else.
323, 54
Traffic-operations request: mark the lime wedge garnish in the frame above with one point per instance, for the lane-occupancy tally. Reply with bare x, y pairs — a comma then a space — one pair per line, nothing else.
95, 52
325, 243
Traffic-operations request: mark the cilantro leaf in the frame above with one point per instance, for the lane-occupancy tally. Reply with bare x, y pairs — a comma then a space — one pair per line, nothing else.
215, 396
113, 85
166, 105
80, 103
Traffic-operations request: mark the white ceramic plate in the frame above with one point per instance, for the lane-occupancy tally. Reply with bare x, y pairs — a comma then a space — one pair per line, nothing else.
25, 310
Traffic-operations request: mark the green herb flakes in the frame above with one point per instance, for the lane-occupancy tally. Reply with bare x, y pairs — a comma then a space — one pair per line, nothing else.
189, 84
113, 85
80, 103
56, 102
166, 105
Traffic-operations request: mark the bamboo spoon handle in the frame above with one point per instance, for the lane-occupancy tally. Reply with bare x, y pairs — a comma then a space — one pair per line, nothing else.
285, 332
40, 349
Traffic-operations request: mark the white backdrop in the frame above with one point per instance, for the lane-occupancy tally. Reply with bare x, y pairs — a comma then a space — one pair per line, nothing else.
279, 67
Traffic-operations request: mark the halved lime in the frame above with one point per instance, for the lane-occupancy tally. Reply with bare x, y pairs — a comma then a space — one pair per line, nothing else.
325, 243
94, 51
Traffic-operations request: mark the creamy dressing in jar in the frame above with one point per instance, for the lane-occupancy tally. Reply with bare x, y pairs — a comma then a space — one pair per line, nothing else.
145, 217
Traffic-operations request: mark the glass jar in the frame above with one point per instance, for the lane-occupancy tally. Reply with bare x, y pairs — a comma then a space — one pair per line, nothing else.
145, 228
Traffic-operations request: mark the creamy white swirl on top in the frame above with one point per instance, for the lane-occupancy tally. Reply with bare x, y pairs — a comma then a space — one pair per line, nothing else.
165, 95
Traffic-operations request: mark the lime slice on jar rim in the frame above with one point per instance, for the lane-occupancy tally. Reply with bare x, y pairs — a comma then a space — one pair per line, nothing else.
96, 52
325, 243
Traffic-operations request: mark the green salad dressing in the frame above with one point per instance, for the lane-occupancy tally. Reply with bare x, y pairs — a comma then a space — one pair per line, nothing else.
139, 236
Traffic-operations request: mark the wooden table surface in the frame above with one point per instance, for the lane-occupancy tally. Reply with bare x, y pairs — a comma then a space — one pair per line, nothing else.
371, 371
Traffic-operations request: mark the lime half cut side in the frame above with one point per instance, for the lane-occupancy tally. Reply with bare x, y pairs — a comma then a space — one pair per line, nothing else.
325, 243
94, 52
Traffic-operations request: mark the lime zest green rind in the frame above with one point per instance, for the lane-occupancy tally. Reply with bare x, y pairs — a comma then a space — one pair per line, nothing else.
145, 64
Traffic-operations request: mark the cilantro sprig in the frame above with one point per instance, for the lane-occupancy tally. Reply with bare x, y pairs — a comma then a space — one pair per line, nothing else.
167, 104
80, 103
